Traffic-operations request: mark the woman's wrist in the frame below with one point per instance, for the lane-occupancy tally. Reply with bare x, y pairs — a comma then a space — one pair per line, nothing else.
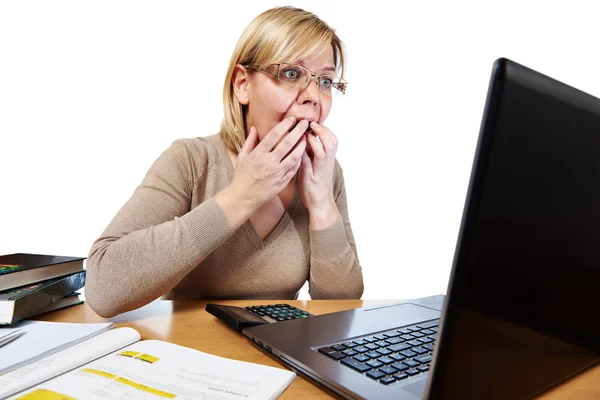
323, 216
236, 206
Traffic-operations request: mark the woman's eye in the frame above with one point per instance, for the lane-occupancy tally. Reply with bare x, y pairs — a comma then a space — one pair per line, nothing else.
290, 74
326, 82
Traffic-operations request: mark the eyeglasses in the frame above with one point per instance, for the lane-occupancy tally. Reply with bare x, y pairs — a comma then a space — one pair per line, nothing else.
297, 76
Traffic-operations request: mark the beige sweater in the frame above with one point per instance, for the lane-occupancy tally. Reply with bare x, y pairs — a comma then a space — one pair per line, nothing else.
172, 237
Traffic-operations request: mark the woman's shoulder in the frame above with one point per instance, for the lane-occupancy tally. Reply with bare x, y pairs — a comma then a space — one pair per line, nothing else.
192, 156
199, 147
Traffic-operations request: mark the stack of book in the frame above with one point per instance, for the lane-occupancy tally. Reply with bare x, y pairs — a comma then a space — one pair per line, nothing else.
34, 284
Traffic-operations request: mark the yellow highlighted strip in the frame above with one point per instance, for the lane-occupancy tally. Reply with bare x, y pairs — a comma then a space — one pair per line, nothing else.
43, 394
147, 358
98, 372
145, 388
128, 353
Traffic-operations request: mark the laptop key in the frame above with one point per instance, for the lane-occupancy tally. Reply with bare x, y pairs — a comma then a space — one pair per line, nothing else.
383, 352
386, 360
394, 340
428, 325
357, 365
399, 366
360, 349
408, 353
418, 350
371, 346
397, 357
400, 375
391, 334
369, 339
379, 337
382, 343
373, 354
350, 352
399, 347
388, 370
337, 355
415, 342
403, 331
423, 368
412, 371
360, 342
326, 350
349, 344
375, 374
387, 380
407, 337
425, 340
423, 359
410, 363
428, 331
374, 364
413, 328
361, 358
417, 334
428, 346
338, 347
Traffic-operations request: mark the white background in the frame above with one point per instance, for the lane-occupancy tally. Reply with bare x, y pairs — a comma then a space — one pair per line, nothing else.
92, 92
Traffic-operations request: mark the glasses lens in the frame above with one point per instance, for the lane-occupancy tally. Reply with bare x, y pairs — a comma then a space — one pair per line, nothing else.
292, 74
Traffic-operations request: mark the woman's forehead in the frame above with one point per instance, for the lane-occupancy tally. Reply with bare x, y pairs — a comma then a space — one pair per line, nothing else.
320, 62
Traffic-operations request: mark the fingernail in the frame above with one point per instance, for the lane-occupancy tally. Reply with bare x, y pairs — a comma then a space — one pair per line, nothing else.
292, 118
314, 123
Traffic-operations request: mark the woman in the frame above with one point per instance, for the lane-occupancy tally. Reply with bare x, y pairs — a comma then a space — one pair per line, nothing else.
254, 211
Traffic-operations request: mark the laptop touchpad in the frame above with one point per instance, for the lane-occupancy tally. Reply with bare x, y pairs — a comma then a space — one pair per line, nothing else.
418, 388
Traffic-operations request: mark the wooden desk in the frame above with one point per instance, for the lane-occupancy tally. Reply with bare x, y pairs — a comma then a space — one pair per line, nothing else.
187, 324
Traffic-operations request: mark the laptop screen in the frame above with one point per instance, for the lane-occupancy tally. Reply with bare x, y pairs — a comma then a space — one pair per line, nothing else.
522, 306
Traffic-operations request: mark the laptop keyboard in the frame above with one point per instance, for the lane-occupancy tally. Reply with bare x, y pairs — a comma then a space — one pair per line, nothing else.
390, 356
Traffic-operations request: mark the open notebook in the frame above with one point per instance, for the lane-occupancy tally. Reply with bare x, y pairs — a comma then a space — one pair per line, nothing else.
116, 365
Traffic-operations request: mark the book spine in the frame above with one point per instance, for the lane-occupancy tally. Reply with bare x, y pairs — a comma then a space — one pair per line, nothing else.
30, 304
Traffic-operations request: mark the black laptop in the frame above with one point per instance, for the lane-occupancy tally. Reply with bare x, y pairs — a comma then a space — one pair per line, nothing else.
522, 311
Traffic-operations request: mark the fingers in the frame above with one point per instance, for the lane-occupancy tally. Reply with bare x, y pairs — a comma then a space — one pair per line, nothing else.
275, 135
326, 137
295, 155
316, 148
306, 164
290, 172
290, 140
249, 144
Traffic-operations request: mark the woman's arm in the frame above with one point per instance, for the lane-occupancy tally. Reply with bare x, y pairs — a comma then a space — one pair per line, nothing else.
335, 272
155, 240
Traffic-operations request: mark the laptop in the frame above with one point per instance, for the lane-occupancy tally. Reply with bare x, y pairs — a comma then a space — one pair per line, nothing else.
522, 310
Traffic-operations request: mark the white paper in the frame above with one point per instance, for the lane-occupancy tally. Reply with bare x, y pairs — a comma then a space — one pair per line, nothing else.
42, 339
171, 371
75, 356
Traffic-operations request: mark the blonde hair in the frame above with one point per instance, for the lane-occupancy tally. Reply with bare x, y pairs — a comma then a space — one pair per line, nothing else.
281, 34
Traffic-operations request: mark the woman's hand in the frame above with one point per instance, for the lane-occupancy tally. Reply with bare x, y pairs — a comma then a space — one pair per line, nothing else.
316, 180
263, 170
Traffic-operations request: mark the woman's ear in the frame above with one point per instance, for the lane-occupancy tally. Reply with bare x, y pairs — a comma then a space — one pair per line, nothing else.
240, 84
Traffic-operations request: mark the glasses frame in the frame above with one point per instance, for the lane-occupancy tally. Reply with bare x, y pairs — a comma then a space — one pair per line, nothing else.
339, 84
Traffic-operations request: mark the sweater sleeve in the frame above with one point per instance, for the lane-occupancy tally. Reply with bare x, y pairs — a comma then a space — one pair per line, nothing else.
335, 272
155, 240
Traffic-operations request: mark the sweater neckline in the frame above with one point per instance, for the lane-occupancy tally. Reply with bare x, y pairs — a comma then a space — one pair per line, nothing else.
247, 226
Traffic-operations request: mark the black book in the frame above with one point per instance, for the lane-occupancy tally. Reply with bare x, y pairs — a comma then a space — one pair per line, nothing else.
25, 269
26, 301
